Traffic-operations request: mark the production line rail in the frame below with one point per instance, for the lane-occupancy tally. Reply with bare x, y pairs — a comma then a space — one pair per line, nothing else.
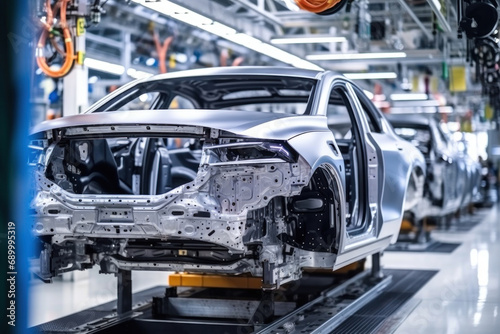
318, 303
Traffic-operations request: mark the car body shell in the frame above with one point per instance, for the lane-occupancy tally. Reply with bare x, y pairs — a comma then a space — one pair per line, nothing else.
256, 214
451, 178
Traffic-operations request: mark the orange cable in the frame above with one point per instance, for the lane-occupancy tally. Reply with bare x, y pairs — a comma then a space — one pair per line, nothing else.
162, 49
237, 61
49, 18
68, 41
223, 57
55, 11
316, 6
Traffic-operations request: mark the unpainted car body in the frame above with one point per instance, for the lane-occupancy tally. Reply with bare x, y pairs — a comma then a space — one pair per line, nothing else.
249, 178
448, 182
470, 167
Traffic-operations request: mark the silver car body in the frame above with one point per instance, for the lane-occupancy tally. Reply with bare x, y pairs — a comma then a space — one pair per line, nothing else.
447, 182
270, 195
470, 166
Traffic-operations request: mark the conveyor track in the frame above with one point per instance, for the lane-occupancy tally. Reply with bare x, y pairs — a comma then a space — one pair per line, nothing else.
362, 304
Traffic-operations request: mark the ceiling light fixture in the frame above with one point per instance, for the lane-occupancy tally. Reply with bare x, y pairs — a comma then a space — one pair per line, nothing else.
136, 74
409, 97
368, 93
371, 75
104, 66
291, 5
107, 67
308, 39
93, 79
437, 4
353, 56
443, 22
202, 22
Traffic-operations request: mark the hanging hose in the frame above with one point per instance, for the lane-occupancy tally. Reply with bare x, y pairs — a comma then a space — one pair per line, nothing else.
316, 6
54, 12
224, 56
237, 61
68, 55
162, 51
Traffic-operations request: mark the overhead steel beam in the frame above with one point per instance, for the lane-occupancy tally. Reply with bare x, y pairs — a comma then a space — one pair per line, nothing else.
442, 20
137, 12
233, 8
423, 56
416, 19
393, 62
452, 9
343, 64
104, 40
271, 5
307, 23
220, 14
259, 9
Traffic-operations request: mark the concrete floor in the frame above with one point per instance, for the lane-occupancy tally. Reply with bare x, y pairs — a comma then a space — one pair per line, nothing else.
464, 297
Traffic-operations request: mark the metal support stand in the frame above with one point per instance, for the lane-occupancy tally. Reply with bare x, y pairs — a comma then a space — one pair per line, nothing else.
124, 301
376, 270
160, 306
423, 235
265, 311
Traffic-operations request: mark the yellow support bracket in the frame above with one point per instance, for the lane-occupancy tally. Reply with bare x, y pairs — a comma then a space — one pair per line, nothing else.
407, 226
214, 281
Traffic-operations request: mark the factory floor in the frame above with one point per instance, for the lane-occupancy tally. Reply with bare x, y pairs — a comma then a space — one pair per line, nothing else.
463, 297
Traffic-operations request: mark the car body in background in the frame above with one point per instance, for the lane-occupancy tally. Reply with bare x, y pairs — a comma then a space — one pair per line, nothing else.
473, 169
469, 162
487, 194
221, 170
449, 178
473, 173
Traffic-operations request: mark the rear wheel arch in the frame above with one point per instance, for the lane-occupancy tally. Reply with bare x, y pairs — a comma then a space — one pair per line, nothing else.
315, 215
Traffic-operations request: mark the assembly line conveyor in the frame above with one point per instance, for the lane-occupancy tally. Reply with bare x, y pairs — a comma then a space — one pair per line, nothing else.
368, 302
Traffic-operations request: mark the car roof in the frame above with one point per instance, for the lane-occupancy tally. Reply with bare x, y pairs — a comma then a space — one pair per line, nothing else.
236, 71
239, 70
